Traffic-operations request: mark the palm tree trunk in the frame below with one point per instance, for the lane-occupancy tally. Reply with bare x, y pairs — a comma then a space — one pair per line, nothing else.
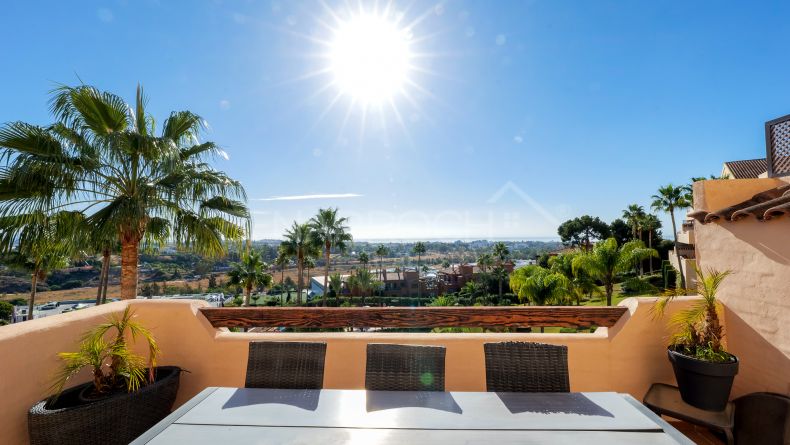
609, 291
33, 284
106, 283
129, 256
680, 261
299, 281
419, 291
327, 248
105, 265
247, 292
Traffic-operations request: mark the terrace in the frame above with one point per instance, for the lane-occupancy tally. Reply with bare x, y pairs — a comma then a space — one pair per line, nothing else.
625, 354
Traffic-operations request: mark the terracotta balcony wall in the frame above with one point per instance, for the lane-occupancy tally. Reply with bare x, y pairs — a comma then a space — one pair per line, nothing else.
626, 358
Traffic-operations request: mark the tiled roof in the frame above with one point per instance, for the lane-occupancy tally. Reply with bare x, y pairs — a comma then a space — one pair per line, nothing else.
763, 206
750, 168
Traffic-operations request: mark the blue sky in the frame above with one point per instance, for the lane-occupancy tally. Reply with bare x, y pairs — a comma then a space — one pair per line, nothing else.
518, 116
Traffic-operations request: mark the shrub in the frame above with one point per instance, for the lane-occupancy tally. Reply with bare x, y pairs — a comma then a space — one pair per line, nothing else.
71, 284
6, 310
638, 286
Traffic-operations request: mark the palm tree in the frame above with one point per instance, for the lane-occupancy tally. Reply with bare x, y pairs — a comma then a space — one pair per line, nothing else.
364, 281
651, 223
580, 284
633, 216
607, 260
364, 259
381, 252
102, 158
699, 327
309, 263
667, 200
300, 243
419, 250
539, 286
282, 260
330, 231
485, 261
39, 243
336, 285
250, 273
501, 254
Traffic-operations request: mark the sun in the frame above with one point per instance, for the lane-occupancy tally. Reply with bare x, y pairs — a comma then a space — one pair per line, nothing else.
370, 58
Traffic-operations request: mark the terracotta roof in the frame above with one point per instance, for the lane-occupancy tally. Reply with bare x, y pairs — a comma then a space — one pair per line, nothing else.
750, 168
763, 206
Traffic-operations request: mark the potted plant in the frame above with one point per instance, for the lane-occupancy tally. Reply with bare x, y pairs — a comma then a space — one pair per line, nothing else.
703, 368
126, 396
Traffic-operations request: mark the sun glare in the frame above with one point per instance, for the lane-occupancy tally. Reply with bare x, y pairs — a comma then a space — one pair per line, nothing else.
369, 58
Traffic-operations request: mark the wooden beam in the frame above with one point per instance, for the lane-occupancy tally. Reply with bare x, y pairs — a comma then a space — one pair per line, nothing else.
414, 317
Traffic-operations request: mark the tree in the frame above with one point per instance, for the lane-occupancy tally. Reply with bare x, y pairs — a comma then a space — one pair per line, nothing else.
472, 290
582, 231
250, 273
300, 243
6, 310
381, 252
667, 200
620, 231
38, 243
419, 250
102, 158
282, 260
364, 281
607, 260
485, 261
580, 284
335, 285
330, 231
651, 223
309, 263
364, 259
633, 216
501, 254
539, 286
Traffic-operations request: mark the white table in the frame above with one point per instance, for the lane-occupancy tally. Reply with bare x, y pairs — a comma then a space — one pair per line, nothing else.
276, 416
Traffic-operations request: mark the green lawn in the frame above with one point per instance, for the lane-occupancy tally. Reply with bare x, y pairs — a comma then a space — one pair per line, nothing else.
617, 297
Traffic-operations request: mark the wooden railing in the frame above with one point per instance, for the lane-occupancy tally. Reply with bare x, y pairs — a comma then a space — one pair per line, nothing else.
414, 317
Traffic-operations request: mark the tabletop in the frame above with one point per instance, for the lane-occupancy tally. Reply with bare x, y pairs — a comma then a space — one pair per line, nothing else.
279, 416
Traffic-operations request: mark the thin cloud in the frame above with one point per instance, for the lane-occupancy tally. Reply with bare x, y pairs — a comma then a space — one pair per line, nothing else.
303, 197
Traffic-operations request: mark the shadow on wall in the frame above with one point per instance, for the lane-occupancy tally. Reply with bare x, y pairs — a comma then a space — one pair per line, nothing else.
753, 233
763, 367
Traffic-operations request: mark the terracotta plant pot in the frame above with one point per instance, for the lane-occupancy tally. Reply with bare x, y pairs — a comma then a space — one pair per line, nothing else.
116, 419
703, 384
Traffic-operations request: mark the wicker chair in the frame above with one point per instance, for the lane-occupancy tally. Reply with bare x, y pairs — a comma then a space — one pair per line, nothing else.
404, 368
526, 367
762, 418
285, 365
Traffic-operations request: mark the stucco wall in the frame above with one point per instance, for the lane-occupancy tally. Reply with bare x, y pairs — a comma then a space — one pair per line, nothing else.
626, 358
757, 294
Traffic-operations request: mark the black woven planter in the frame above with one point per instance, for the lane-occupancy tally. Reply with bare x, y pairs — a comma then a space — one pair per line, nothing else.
705, 385
118, 419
